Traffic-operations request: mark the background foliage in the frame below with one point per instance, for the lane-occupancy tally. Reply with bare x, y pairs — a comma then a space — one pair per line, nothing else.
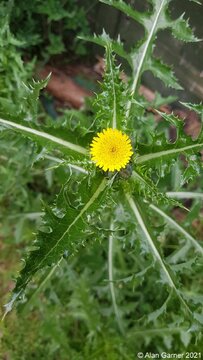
50, 28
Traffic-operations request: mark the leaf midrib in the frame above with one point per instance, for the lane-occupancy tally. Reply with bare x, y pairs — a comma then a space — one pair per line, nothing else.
114, 93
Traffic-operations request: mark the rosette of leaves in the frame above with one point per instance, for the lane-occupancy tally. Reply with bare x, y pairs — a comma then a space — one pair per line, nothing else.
129, 206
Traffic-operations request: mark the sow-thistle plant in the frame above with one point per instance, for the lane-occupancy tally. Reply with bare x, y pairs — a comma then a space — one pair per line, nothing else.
116, 190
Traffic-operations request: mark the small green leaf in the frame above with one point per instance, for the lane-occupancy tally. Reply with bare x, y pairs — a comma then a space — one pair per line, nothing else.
105, 41
185, 337
198, 108
155, 314
182, 31
30, 101
163, 72
127, 9
199, 317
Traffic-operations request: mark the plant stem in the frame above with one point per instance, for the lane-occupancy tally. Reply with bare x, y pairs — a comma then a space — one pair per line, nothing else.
114, 125
111, 284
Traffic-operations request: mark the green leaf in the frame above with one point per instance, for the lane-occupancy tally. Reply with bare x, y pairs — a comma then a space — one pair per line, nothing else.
157, 331
141, 54
44, 138
166, 271
196, 1
162, 150
185, 338
65, 229
143, 185
31, 97
198, 108
140, 57
171, 151
127, 9
199, 317
179, 228
163, 72
155, 314
160, 100
41, 284
184, 267
105, 41
182, 31
109, 105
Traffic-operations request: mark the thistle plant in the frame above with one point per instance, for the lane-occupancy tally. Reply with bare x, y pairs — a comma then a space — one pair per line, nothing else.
117, 166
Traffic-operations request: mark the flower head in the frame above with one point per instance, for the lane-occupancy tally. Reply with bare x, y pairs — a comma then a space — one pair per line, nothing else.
111, 150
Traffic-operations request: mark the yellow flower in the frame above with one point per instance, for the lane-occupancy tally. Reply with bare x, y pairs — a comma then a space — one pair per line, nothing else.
111, 150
